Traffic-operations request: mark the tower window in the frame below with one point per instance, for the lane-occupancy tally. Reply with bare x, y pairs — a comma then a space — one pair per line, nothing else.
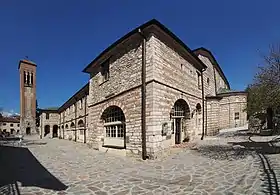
47, 116
28, 78
24, 77
11, 125
31, 78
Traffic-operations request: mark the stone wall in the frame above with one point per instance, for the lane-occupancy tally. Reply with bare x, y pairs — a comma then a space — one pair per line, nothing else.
160, 101
222, 112
212, 116
174, 78
172, 69
122, 89
53, 120
130, 104
220, 82
125, 71
10, 127
231, 105
70, 118
208, 77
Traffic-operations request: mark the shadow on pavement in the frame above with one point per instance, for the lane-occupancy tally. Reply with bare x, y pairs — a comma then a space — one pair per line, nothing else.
17, 164
242, 149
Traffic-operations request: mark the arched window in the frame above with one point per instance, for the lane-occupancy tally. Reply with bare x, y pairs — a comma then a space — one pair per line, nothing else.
72, 125
62, 127
198, 108
66, 126
181, 109
114, 122
81, 123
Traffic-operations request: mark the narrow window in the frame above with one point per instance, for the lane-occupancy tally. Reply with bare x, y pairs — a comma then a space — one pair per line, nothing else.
11, 125
236, 115
199, 80
208, 81
31, 78
105, 70
81, 103
47, 115
24, 77
28, 78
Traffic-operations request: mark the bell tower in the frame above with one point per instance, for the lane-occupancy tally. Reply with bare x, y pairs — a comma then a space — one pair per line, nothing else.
27, 72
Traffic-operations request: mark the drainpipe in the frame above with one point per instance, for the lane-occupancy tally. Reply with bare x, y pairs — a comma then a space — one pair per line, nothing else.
41, 121
63, 123
202, 93
85, 118
215, 82
206, 115
75, 104
59, 125
143, 92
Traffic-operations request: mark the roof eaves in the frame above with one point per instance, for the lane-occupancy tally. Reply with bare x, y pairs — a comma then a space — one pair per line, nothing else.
215, 63
72, 97
151, 22
26, 62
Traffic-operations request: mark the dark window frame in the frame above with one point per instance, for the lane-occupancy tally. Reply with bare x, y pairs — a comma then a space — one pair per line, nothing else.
236, 116
105, 70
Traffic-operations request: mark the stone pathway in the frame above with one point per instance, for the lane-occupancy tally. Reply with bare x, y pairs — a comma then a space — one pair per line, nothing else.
213, 167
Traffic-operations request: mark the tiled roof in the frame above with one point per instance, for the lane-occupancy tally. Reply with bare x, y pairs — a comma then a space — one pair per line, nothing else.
9, 119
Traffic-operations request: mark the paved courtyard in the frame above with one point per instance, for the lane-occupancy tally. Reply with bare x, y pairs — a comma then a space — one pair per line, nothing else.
66, 167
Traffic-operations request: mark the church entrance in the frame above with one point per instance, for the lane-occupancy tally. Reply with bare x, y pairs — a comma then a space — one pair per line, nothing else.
28, 131
180, 114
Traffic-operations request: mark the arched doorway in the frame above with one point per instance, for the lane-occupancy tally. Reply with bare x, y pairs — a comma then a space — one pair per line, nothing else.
55, 131
114, 127
28, 131
180, 114
46, 130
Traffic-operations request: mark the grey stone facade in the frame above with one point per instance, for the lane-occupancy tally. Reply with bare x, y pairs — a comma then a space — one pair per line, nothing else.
68, 121
184, 96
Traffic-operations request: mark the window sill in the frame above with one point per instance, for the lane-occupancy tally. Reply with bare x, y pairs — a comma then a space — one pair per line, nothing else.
114, 142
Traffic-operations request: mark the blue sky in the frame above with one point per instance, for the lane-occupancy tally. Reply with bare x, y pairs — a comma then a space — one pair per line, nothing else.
62, 37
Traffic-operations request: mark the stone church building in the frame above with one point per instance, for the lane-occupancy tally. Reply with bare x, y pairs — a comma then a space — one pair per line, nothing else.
147, 92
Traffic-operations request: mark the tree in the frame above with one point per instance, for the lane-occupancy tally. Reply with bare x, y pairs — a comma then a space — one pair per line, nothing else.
264, 92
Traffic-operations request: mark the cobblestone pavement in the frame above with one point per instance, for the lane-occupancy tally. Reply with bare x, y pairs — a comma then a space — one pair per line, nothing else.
212, 167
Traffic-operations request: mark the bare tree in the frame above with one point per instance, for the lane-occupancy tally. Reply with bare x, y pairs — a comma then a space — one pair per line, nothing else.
264, 92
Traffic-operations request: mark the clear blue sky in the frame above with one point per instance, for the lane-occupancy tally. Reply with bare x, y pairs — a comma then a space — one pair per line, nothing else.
63, 36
